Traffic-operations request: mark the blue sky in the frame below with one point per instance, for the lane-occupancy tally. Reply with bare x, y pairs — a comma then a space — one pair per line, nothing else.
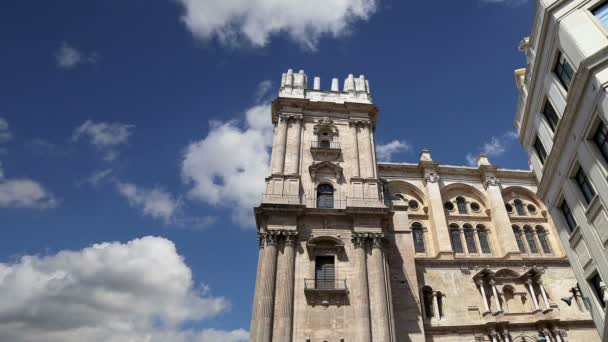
143, 127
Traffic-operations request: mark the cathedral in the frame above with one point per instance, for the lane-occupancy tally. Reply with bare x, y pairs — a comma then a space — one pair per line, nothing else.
353, 249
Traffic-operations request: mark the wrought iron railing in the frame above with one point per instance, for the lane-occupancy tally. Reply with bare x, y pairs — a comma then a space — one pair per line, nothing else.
325, 285
324, 144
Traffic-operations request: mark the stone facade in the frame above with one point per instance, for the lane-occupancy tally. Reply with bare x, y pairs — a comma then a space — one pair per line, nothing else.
356, 250
562, 119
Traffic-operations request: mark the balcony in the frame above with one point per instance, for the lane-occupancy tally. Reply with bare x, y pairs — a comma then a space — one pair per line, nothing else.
325, 148
325, 286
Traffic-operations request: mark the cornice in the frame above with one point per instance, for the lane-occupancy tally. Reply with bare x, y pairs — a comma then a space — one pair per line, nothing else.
301, 105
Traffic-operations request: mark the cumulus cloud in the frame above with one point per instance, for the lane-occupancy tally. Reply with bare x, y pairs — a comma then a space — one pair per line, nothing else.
105, 136
5, 133
385, 152
24, 193
255, 21
229, 165
97, 177
154, 202
68, 57
495, 147
112, 292
263, 89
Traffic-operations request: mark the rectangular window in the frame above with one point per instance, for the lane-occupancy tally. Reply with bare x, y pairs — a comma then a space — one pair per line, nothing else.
550, 115
601, 139
324, 272
540, 150
568, 216
601, 13
597, 285
563, 70
584, 185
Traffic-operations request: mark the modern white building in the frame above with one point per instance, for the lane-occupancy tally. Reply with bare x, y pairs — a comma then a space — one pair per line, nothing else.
562, 119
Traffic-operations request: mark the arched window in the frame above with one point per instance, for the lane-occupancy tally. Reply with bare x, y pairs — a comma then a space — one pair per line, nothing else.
508, 294
325, 196
541, 233
427, 301
455, 239
462, 205
519, 238
519, 207
469, 237
530, 240
482, 234
418, 236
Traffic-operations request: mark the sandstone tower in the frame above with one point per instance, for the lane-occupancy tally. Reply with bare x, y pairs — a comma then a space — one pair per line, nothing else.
356, 250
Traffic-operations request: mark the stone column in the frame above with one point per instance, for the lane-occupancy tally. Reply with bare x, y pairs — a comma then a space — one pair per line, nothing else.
267, 284
284, 298
494, 335
436, 304
532, 293
293, 145
558, 336
365, 147
278, 146
495, 292
431, 180
378, 303
502, 222
256, 296
361, 295
357, 168
484, 299
544, 294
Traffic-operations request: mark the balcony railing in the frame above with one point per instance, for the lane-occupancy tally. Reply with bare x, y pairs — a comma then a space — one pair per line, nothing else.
324, 144
343, 203
283, 199
325, 285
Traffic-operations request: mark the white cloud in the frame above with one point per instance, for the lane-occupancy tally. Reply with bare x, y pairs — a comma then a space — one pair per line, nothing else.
1, 171
5, 133
262, 90
385, 151
97, 177
255, 21
105, 136
24, 193
229, 165
68, 57
155, 202
139, 291
496, 147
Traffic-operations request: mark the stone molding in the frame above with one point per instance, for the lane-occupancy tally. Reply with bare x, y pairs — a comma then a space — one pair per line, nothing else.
274, 237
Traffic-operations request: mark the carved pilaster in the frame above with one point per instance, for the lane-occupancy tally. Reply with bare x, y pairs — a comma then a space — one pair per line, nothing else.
490, 181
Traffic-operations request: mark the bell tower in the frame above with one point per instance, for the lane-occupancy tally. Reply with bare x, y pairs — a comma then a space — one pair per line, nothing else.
322, 223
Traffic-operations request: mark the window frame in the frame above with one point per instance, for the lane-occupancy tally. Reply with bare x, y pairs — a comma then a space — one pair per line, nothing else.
594, 137
602, 5
568, 216
552, 120
540, 150
323, 197
543, 239
485, 247
529, 234
454, 237
518, 233
461, 205
584, 185
596, 288
559, 70
469, 239
418, 238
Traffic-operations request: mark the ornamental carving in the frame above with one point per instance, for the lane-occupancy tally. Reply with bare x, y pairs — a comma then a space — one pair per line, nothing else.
431, 177
491, 181
325, 125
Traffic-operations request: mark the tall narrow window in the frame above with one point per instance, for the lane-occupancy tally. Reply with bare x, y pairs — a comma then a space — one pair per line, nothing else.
519, 207
550, 115
482, 235
584, 185
529, 233
568, 216
563, 70
601, 13
597, 285
427, 300
540, 150
462, 205
469, 237
455, 239
541, 233
418, 235
324, 272
519, 238
325, 196
601, 139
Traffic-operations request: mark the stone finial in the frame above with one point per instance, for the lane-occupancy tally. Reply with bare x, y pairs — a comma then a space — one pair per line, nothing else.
283, 79
425, 155
289, 78
360, 84
299, 80
335, 85
482, 160
317, 83
349, 83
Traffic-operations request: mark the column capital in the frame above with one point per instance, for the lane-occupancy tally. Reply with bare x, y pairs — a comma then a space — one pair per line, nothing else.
492, 282
493, 333
359, 240
480, 282
290, 237
261, 239
359, 123
431, 177
505, 334
529, 281
376, 240
491, 181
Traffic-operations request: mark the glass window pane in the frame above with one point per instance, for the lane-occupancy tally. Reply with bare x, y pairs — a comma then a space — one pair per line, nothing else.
455, 240
568, 216
483, 240
418, 236
462, 205
530, 239
519, 239
469, 237
542, 238
540, 150
550, 115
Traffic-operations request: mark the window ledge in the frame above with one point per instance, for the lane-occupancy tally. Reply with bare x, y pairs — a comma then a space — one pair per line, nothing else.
593, 208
